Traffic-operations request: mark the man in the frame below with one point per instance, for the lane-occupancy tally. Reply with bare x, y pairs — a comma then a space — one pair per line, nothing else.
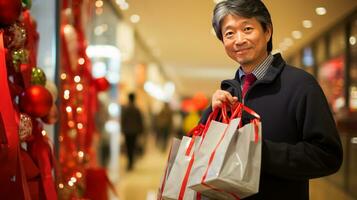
164, 126
300, 140
132, 126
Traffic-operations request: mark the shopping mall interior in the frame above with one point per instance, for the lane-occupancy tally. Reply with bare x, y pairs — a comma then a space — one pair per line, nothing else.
70, 68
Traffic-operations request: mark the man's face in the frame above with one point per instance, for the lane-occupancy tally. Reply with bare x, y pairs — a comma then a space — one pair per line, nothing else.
245, 40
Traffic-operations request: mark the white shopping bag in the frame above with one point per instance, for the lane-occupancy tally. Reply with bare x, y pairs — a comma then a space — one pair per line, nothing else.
176, 182
170, 161
231, 161
202, 154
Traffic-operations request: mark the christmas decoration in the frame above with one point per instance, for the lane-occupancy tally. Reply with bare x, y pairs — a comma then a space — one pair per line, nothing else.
78, 105
9, 11
31, 170
25, 129
36, 101
101, 84
10, 149
38, 77
27, 4
19, 57
15, 36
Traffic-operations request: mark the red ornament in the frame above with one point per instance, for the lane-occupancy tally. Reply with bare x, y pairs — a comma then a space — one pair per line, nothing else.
9, 11
36, 101
101, 84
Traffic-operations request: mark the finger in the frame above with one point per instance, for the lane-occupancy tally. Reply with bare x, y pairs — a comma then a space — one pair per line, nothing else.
217, 104
228, 97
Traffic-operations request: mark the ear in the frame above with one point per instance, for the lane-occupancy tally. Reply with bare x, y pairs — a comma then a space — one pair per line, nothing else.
268, 33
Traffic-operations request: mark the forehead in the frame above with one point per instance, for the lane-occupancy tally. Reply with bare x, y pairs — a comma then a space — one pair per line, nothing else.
236, 20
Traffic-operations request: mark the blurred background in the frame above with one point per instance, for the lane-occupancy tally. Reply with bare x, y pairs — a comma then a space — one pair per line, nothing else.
97, 52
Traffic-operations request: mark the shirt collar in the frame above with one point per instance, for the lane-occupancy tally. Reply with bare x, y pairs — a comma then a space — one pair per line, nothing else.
259, 71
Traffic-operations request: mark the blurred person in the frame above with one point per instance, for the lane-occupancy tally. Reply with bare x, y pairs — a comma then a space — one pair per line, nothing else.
132, 126
177, 124
300, 139
164, 122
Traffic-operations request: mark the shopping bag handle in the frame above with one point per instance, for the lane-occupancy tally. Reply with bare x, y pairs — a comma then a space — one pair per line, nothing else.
237, 111
201, 128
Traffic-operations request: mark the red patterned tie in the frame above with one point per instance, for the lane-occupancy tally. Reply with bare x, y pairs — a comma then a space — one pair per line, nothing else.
248, 81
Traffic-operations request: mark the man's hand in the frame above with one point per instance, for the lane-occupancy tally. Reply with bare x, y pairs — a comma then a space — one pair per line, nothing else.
220, 97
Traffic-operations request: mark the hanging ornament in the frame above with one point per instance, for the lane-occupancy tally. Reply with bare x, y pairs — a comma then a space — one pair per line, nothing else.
38, 77
101, 84
9, 11
25, 129
36, 101
27, 4
18, 57
15, 36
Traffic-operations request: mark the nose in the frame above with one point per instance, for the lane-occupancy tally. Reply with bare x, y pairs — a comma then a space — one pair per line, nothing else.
240, 38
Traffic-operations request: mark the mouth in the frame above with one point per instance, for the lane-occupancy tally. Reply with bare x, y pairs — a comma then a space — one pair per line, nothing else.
242, 51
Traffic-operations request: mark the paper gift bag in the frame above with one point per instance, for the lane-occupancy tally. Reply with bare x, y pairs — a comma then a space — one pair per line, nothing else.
230, 161
170, 161
176, 183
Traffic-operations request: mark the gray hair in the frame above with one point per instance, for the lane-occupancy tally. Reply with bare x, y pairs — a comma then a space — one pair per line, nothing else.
244, 8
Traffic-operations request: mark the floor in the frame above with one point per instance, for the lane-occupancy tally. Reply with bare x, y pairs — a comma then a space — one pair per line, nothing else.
142, 183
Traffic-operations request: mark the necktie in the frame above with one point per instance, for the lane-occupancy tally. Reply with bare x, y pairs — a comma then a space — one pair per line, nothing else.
249, 79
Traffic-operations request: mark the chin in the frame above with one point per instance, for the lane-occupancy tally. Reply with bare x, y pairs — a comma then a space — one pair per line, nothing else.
241, 61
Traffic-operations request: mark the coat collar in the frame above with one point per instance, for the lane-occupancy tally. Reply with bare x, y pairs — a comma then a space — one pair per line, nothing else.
234, 87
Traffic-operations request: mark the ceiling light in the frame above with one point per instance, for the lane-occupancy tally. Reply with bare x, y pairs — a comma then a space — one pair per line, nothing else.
307, 23
124, 6
135, 18
296, 34
99, 4
100, 29
352, 40
320, 11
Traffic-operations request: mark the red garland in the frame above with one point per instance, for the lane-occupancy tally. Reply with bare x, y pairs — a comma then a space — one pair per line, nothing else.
40, 150
12, 175
77, 126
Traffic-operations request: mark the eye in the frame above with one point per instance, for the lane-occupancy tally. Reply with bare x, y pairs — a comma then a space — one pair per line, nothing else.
248, 29
228, 34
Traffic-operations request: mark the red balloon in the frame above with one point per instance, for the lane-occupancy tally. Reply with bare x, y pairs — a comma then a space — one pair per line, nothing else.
9, 11
101, 84
36, 101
